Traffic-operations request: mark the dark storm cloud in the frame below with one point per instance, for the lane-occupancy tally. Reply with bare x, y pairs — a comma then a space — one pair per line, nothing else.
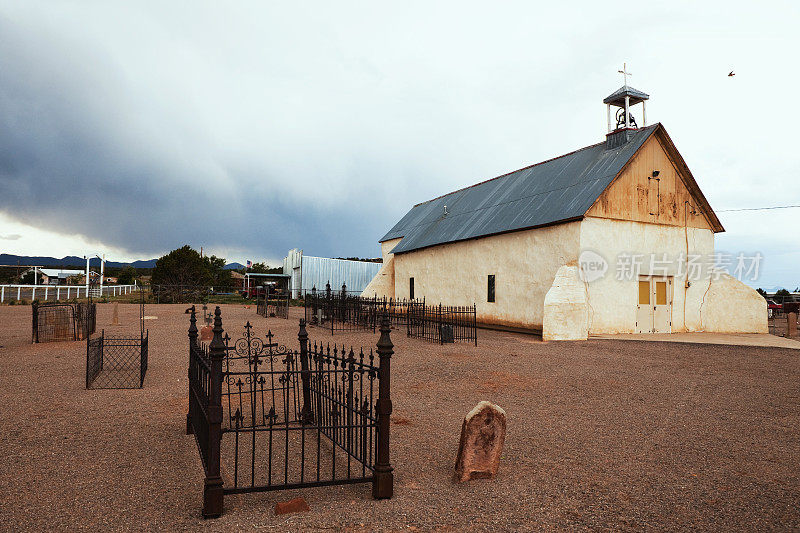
143, 129
82, 150
266, 126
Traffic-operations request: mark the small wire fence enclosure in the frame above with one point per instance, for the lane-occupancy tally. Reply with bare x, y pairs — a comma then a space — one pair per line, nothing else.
271, 303
442, 324
287, 418
53, 322
118, 361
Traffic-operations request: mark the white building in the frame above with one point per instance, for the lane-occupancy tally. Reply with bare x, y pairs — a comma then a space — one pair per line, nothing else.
58, 276
540, 248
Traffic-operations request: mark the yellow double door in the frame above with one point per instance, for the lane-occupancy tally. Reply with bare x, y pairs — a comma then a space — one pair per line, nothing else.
654, 310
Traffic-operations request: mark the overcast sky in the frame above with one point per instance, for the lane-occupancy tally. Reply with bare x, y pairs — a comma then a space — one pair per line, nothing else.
259, 127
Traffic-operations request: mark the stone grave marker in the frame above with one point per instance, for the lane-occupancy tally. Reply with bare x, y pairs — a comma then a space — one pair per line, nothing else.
483, 433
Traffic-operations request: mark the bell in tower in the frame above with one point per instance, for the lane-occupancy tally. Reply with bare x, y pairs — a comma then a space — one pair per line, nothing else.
624, 124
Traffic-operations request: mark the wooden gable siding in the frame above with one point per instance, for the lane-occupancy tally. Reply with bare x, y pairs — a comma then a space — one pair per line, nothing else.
632, 196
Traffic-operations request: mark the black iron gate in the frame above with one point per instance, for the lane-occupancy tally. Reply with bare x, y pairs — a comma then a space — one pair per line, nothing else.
62, 321
278, 418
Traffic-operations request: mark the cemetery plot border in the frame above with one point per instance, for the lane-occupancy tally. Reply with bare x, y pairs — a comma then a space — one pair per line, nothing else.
53, 322
278, 418
339, 311
118, 361
442, 324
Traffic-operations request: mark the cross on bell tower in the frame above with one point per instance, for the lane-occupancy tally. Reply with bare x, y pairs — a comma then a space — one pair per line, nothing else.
623, 99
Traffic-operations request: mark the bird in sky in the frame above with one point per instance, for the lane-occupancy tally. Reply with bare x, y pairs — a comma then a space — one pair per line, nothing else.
731, 74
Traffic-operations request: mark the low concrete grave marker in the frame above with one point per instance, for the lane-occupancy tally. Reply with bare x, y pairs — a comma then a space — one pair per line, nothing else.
483, 433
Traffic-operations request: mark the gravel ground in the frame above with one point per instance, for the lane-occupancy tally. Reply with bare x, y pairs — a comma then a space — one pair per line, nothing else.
602, 434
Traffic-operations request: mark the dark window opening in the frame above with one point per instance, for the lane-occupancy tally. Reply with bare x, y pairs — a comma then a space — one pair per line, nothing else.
490, 295
411, 288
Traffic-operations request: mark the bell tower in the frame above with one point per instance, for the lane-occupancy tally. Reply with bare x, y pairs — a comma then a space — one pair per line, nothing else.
623, 99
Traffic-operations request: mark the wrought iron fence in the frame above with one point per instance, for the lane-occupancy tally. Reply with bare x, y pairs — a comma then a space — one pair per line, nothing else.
442, 324
270, 302
118, 361
52, 322
278, 418
398, 310
339, 311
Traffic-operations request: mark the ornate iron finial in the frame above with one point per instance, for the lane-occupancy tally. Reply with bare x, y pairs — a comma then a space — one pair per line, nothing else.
192, 323
217, 342
385, 345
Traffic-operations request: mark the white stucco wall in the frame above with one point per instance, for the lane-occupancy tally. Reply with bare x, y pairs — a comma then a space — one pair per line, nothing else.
382, 285
566, 314
732, 307
524, 263
612, 302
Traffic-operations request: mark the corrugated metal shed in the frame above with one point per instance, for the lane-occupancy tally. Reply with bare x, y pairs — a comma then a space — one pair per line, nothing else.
307, 272
550, 192
317, 271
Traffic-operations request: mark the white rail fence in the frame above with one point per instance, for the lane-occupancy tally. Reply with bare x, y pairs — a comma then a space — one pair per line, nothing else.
59, 292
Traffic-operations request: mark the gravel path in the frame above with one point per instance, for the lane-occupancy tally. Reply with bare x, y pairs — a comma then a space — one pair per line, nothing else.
602, 434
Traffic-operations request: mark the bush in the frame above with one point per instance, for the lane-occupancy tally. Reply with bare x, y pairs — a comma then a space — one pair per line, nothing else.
12, 302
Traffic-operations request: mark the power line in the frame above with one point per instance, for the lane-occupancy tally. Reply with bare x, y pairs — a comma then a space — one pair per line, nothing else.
758, 208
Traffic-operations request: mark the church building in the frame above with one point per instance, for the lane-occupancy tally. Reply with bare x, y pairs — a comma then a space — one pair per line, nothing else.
616, 237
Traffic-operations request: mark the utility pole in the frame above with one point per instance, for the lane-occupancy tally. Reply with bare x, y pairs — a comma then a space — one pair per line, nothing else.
102, 272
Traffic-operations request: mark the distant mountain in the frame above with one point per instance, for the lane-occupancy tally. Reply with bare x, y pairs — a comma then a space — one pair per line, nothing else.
68, 261
234, 266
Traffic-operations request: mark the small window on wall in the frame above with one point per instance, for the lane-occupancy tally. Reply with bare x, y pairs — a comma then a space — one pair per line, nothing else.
644, 292
411, 288
490, 294
661, 293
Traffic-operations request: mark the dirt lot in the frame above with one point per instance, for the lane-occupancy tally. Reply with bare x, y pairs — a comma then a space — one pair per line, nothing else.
602, 434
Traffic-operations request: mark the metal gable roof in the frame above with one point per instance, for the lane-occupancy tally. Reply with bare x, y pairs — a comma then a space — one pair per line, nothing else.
553, 191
